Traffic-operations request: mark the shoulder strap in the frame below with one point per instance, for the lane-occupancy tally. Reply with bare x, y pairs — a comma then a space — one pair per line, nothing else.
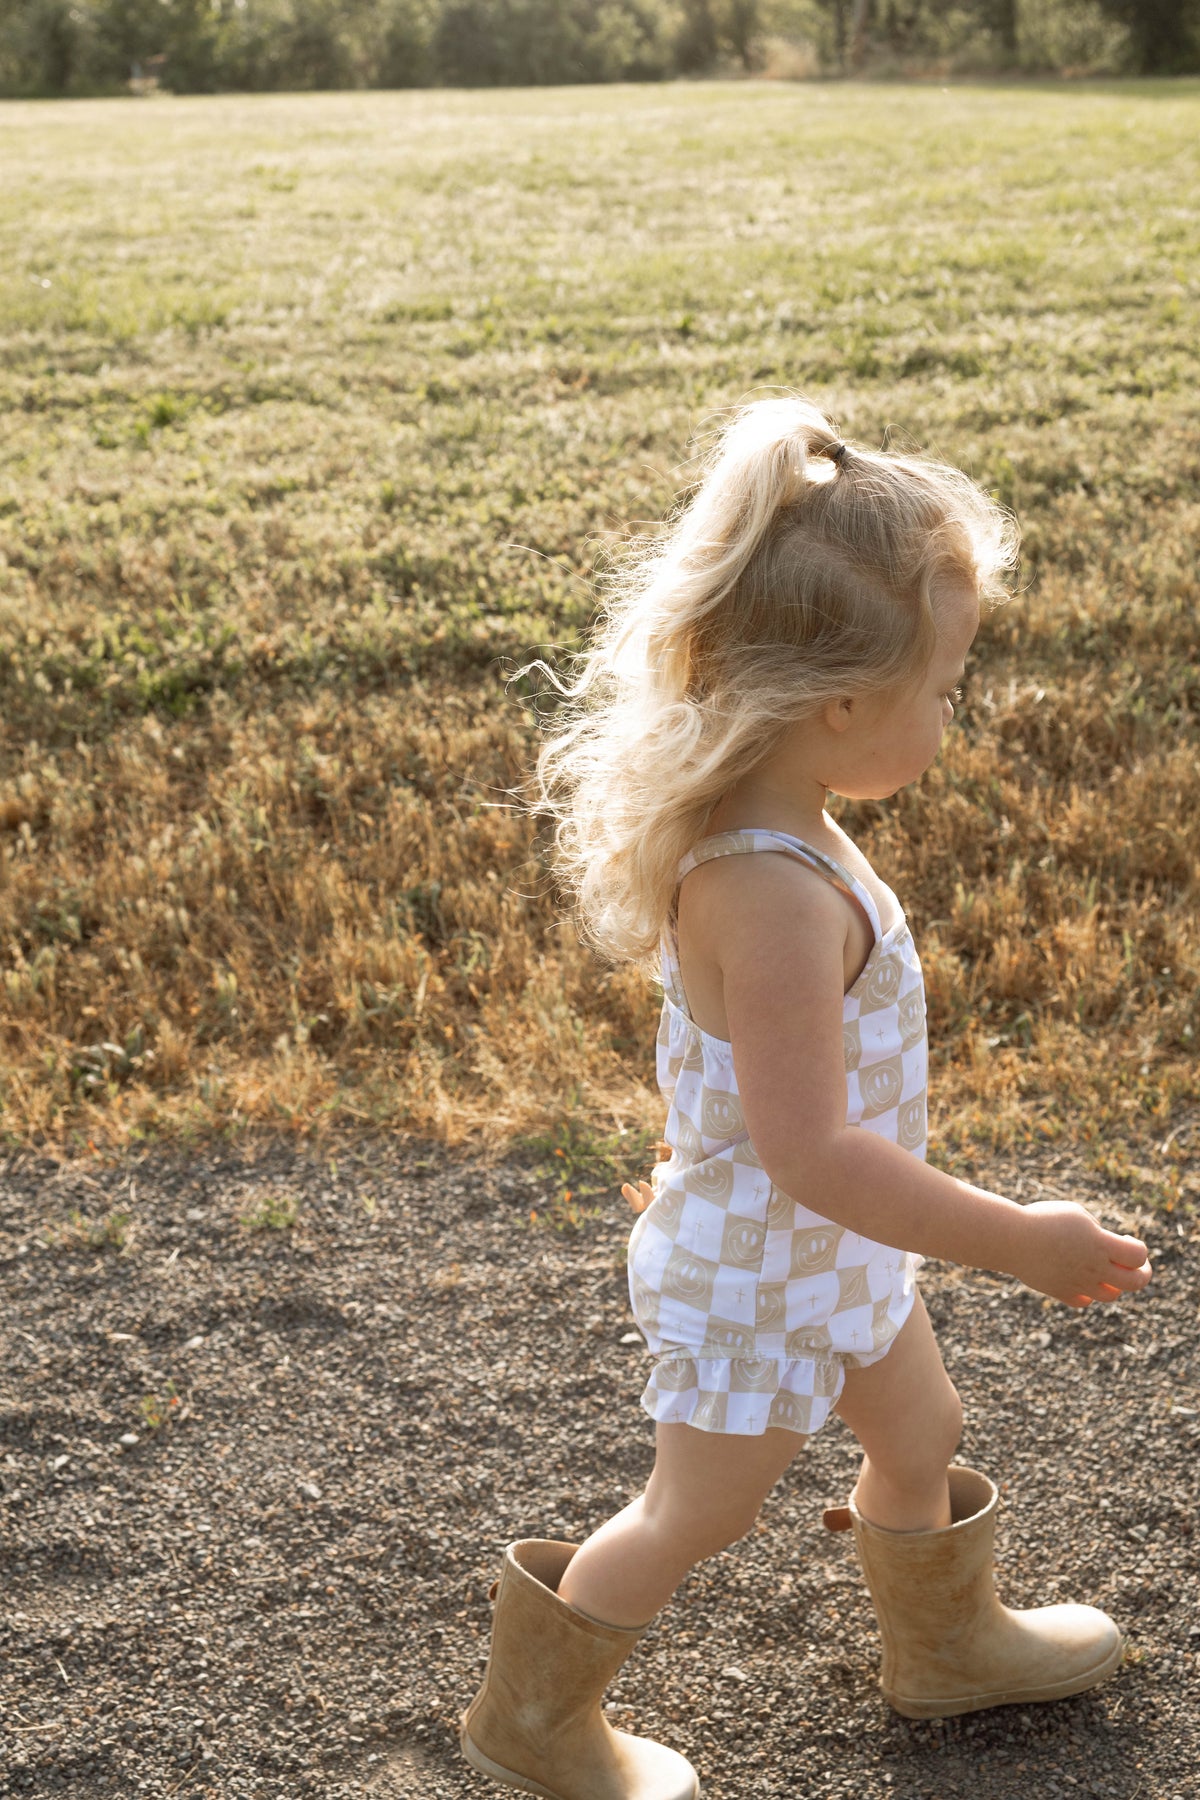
756, 838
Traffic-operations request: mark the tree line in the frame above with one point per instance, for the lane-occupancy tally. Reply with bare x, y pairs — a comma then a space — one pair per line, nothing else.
66, 47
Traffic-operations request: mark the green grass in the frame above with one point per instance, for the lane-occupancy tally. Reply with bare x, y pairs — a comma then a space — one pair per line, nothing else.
320, 413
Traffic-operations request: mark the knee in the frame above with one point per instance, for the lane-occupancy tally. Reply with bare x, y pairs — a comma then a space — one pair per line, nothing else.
943, 1431
731, 1524
705, 1530
913, 1458
952, 1422
723, 1533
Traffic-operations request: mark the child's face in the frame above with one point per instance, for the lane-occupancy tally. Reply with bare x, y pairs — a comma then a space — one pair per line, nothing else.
892, 738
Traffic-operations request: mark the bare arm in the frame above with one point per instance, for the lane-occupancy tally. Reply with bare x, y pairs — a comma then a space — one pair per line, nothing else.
1054, 1247
777, 931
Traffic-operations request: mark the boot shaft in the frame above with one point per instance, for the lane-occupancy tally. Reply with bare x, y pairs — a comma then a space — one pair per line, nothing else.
931, 1589
548, 1663
536, 1723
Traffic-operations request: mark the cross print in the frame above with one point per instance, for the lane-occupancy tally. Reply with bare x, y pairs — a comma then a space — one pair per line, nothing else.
740, 1295
676, 1415
880, 1033
856, 1336
752, 1421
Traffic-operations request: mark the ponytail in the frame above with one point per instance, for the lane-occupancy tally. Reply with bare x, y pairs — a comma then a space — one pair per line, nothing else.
801, 569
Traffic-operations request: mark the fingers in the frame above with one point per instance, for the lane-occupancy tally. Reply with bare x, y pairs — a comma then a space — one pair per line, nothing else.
639, 1197
1129, 1267
1126, 1252
1126, 1280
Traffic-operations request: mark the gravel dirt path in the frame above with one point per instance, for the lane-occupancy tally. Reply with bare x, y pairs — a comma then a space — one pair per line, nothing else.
264, 1437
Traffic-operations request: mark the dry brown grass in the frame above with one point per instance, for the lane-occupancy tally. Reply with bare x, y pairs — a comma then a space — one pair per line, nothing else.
273, 928
272, 443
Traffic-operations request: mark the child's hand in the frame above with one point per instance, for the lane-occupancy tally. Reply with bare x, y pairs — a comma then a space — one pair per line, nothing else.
639, 1197
1068, 1254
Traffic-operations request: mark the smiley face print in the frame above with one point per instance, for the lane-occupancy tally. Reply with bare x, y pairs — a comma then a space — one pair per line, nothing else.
814, 1250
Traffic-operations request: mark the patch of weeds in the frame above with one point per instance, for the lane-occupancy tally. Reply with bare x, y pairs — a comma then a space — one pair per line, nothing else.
162, 1409
169, 668
564, 1212
416, 312
274, 1212
585, 1165
163, 409
82, 1233
277, 177
277, 487
57, 922
98, 1070
423, 911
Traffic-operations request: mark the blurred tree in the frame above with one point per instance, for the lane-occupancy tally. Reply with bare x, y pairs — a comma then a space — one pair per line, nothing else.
129, 31
1164, 34
902, 20
192, 45
738, 25
1001, 17
318, 45
406, 49
860, 14
696, 39
42, 47
490, 43
92, 46
630, 41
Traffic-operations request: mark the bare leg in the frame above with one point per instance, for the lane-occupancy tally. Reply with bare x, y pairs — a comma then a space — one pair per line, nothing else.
706, 1488
704, 1494
907, 1416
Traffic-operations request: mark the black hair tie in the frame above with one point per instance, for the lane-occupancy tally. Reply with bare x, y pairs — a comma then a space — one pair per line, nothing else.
836, 452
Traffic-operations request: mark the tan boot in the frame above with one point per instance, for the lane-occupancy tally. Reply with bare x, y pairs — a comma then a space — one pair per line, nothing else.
536, 1722
949, 1646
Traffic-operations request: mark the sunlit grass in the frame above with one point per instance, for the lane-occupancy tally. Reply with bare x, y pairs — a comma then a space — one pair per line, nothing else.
320, 413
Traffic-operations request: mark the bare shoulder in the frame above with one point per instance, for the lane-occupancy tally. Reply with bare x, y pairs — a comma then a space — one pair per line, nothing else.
762, 943
730, 902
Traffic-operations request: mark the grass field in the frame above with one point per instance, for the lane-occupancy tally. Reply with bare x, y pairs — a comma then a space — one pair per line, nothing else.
321, 412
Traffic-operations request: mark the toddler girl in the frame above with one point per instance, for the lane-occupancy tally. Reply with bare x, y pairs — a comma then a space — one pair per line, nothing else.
800, 631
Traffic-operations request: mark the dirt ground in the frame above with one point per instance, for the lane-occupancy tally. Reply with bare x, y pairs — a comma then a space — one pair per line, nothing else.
268, 1419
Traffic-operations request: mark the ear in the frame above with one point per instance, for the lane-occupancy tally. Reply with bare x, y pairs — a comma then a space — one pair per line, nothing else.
839, 714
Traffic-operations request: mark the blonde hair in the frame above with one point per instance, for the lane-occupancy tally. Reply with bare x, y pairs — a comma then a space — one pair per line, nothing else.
801, 570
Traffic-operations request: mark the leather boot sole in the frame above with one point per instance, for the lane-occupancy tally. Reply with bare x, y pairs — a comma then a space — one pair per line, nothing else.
927, 1708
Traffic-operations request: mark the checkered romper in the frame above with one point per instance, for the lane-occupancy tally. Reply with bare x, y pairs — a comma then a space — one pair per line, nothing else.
752, 1304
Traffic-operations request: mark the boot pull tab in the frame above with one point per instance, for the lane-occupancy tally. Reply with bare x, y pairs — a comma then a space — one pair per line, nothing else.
493, 1590
836, 1518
